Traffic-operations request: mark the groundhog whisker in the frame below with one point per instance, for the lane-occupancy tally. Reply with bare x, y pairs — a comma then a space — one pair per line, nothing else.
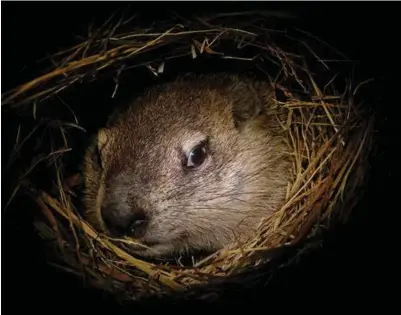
189, 207
215, 209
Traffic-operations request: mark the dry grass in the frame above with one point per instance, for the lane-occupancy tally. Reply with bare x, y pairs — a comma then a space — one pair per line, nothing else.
330, 137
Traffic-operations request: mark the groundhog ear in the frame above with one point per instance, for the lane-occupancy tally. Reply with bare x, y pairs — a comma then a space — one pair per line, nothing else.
246, 104
103, 141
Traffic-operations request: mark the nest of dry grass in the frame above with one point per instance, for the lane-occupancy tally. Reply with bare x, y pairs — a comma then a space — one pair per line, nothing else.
330, 135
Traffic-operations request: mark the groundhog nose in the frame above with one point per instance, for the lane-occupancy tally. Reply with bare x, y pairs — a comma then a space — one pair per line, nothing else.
131, 224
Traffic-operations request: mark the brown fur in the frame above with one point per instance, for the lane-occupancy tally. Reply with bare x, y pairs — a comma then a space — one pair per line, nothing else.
243, 180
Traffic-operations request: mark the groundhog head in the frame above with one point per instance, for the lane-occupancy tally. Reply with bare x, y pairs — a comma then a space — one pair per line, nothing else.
190, 165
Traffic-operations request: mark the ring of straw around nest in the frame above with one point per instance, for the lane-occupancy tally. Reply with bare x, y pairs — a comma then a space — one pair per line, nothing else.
329, 135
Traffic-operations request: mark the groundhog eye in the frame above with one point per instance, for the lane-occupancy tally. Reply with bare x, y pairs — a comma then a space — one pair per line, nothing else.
197, 156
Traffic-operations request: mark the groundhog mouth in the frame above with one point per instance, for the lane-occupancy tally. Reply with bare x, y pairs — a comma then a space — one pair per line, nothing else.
150, 241
148, 249
147, 245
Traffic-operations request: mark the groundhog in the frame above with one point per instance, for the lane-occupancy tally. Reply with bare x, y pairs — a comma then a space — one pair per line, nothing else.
193, 164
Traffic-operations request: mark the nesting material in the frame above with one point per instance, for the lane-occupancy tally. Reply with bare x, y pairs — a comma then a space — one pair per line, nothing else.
329, 133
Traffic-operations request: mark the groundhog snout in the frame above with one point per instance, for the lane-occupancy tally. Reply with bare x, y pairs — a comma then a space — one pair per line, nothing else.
131, 223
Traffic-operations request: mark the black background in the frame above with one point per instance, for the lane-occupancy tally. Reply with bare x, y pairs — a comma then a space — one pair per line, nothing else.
351, 267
